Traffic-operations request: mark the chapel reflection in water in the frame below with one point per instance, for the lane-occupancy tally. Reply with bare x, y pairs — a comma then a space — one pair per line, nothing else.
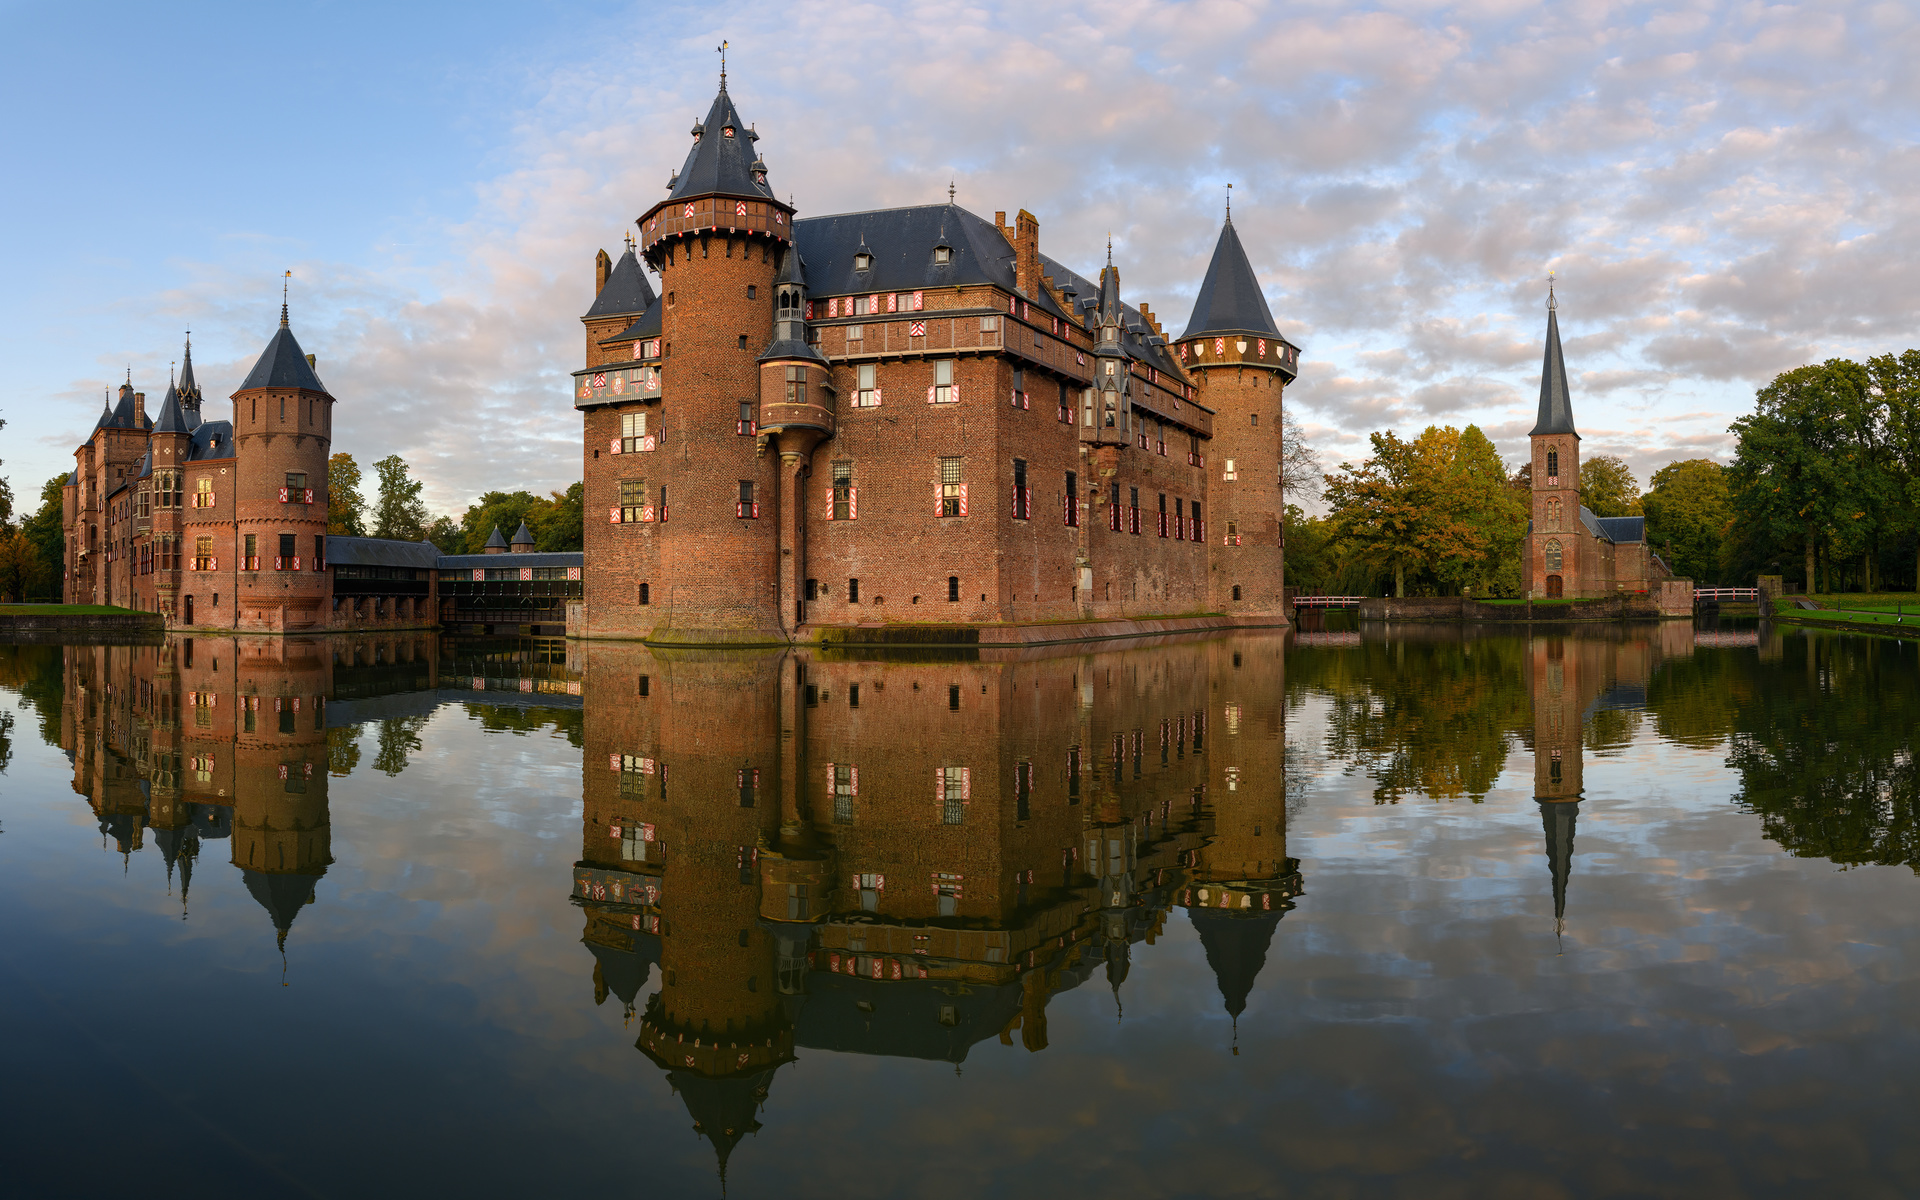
906, 857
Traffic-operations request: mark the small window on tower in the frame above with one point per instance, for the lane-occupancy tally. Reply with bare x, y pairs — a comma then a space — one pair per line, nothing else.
753, 292
867, 392
796, 385
745, 425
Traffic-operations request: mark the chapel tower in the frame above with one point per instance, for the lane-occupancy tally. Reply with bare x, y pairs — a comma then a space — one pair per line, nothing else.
689, 550
1554, 568
1242, 366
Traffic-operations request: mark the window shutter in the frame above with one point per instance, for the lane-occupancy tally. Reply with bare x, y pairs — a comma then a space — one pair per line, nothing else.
939, 508
966, 783
283, 495
893, 301
615, 447
613, 516
853, 776
916, 302
940, 786
829, 502
830, 779
929, 395
953, 392
963, 499
853, 504
309, 497
876, 397
1026, 503
873, 304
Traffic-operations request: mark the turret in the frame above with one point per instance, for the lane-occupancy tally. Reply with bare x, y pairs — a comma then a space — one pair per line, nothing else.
283, 428
1241, 366
1112, 377
496, 544
522, 540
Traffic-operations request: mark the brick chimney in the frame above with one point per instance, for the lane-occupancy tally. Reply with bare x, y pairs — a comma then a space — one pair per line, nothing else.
1024, 237
140, 406
602, 267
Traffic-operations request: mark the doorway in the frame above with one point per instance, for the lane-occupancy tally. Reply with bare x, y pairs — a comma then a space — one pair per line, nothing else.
189, 610
1553, 587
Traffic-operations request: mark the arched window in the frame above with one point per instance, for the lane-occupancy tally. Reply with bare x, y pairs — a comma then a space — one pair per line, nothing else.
1553, 555
1553, 464
1553, 516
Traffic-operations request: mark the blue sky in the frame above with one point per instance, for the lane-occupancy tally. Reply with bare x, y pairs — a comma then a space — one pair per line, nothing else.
1725, 190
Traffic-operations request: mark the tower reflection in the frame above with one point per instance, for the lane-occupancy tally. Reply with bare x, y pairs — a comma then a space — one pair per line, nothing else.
909, 855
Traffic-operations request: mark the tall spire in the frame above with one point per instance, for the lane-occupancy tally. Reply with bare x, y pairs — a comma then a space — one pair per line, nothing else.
1558, 818
1556, 404
283, 298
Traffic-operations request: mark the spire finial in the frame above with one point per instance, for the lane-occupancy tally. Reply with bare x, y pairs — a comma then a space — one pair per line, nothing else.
170, 366
721, 50
1551, 305
283, 298
950, 191
1229, 204
1109, 247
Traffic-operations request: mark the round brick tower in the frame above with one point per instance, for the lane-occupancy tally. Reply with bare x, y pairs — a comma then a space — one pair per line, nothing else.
1241, 366
717, 241
283, 430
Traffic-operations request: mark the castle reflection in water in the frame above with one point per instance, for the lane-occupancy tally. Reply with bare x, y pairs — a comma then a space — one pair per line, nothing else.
895, 855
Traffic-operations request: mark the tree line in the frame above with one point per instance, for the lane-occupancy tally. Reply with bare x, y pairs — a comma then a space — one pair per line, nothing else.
1824, 490
557, 520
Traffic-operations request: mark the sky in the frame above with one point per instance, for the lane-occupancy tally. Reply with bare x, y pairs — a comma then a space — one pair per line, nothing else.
1722, 190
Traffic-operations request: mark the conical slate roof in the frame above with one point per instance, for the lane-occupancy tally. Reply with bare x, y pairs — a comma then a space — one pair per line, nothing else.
172, 419
281, 895
106, 416
626, 291
523, 536
189, 390
722, 163
1230, 298
496, 539
724, 1110
283, 365
125, 414
1236, 950
1556, 404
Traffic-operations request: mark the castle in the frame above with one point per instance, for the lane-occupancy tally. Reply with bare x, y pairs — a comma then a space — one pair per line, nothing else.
911, 416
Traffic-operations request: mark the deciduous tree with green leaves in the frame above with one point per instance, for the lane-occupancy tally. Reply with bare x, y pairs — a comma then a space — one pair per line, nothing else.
1689, 511
1607, 486
346, 507
399, 513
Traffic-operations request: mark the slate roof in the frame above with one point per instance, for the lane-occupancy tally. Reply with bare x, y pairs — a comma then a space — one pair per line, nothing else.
1556, 405
1230, 299
173, 419
626, 290
125, 414
647, 326
1618, 530
1236, 949
496, 541
1558, 820
283, 896
343, 551
532, 558
211, 440
523, 536
283, 365
718, 163
106, 416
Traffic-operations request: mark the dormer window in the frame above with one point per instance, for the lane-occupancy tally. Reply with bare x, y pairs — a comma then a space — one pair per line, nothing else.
726, 131
760, 177
863, 261
942, 255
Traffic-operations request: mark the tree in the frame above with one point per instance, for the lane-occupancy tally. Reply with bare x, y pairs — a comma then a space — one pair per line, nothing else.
6, 496
1897, 381
1608, 488
1300, 472
46, 530
346, 507
1689, 514
445, 533
399, 512
1790, 475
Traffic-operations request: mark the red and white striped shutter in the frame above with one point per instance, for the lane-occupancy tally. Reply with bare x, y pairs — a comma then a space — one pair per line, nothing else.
309, 497
853, 504
853, 776
878, 399
940, 785
613, 518
873, 305
966, 783
613, 762
916, 302
829, 502
953, 392
939, 507
1066, 511
833, 307
929, 393
893, 301
1013, 306
829, 779
1026, 509
963, 499
614, 448
283, 495
526, 574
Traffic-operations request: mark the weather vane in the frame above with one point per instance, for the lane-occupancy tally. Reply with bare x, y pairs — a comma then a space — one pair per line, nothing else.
1549, 289
1229, 202
721, 50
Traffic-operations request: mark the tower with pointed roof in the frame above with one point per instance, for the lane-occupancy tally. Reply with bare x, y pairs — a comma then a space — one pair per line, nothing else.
282, 435
1242, 366
1555, 551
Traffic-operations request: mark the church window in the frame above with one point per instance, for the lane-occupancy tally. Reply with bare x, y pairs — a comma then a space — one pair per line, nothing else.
1553, 516
843, 509
1553, 555
747, 506
646, 593
953, 493
202, 496
943, 390
853, 591
203, 554
867, 392
1553, 464
953, 597
633, 501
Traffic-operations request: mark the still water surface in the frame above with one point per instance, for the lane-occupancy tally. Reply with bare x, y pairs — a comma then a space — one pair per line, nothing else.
1591, 912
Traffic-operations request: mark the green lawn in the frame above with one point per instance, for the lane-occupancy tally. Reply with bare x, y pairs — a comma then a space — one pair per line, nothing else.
1852, 616
65, 610
1881, 601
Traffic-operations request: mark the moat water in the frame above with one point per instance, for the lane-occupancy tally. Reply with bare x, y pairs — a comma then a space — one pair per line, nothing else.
1374, 911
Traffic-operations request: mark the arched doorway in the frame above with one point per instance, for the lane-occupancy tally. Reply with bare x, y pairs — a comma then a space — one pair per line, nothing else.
1553, 587
189, 608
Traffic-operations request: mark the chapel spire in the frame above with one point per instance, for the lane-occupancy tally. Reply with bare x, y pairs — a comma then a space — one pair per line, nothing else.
1556, 404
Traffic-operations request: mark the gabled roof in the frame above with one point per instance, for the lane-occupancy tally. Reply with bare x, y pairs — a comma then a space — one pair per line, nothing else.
1230, 299
901, 242
1556, 405
283, 365
719, 163
625, 292
1618, 530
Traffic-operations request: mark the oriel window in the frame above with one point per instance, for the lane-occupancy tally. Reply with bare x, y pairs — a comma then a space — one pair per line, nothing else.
796, 385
